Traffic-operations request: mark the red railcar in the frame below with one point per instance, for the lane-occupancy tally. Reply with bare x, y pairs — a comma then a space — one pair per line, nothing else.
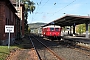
51, 31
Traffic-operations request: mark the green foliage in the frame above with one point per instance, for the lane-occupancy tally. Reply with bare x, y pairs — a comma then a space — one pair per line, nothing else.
81, 28
29, 30
29, 7
4, 51
89, 28
33, 27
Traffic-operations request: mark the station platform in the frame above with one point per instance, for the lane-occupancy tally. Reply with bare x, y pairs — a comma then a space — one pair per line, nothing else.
77, 39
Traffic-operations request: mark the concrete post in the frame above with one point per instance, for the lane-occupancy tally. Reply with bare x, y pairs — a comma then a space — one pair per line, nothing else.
70, 30
74, 29
87, 36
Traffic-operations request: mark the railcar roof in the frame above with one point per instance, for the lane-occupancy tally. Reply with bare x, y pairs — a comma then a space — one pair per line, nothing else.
69, 20
52, 26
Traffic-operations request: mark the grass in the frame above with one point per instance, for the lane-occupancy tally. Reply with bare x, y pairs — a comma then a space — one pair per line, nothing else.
4, 51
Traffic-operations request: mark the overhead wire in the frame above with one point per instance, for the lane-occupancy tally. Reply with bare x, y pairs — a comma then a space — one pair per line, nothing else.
63, 7
41, 7
38, 5
55, 4
43, 4
36, 10
51, 8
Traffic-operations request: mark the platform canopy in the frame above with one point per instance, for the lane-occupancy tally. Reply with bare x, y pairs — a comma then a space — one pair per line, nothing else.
69, 20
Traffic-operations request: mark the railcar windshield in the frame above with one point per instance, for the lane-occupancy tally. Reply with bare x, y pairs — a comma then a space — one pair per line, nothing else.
51, 29
56, 29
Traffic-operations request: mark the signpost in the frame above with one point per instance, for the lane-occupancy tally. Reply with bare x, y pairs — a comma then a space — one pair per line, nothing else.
9, 29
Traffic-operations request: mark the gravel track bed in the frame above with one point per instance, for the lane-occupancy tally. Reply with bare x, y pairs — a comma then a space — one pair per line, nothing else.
70, 54
66, 52
44, 54
24, 54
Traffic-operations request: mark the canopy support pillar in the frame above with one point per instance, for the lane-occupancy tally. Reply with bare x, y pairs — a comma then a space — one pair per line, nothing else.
87, 36
74, 29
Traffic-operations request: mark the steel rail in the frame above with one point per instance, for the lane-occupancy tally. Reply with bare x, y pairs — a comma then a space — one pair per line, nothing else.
50, 50
81, 49
39, 58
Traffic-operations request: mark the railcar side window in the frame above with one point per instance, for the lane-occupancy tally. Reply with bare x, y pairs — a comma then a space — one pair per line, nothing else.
56, 29
51, 29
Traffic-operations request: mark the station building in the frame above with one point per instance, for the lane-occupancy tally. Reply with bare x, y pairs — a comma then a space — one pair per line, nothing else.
20, 13
8, 16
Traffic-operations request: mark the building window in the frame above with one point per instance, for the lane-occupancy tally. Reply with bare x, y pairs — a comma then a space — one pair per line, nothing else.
6, 21
21, 27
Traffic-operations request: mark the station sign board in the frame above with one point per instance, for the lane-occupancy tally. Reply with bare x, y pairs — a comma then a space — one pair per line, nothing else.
9, 28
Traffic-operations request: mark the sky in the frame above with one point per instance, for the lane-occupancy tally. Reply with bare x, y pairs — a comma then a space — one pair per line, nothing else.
49, 10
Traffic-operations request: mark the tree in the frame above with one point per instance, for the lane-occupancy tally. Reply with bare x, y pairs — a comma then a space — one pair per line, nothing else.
81, 28
29, 7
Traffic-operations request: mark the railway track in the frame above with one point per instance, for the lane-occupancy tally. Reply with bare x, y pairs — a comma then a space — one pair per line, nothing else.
48, 51
37, 51
76, 47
